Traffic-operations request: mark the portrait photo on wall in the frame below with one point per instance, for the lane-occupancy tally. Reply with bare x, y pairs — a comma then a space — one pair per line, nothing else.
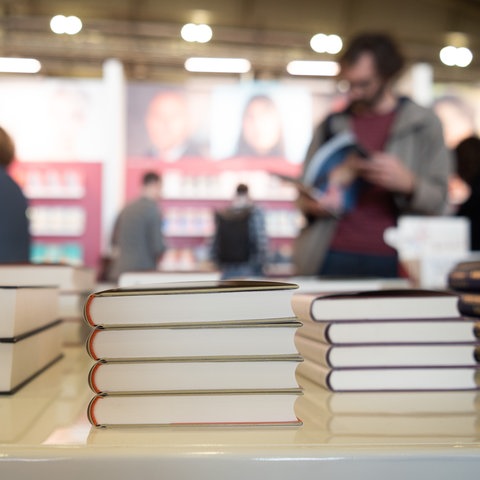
258, 121
166, 123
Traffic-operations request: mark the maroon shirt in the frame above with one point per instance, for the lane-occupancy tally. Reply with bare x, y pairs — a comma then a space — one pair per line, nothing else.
361, 229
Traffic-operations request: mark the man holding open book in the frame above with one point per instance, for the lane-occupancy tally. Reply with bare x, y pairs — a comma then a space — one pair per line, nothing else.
401, 166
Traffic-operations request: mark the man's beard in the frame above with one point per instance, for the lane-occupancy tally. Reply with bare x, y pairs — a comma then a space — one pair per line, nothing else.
366, 105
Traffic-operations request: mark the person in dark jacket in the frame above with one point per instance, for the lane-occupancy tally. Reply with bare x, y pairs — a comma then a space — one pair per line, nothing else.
15, 236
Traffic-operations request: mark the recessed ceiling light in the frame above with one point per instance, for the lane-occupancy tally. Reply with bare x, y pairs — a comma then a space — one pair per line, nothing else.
320, 68
70, 25
19, 65
217, 65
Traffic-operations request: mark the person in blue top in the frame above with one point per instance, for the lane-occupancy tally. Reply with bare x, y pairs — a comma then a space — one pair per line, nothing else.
15, 236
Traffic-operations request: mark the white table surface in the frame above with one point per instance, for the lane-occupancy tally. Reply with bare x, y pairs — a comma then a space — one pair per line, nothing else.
44, 434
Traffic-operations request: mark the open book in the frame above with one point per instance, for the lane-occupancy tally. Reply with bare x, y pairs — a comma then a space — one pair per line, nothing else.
327, 178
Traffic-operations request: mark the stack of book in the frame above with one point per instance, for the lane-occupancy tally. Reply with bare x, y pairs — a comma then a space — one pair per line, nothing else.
464, 280
30, 337
75, 283
386, 340
220, 352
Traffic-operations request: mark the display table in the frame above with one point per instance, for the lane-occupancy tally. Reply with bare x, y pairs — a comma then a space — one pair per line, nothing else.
44, 434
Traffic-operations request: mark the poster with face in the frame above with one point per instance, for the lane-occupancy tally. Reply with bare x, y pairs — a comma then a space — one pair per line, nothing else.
259, 120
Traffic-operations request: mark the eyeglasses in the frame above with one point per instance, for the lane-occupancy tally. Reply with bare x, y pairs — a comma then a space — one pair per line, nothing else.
365, 84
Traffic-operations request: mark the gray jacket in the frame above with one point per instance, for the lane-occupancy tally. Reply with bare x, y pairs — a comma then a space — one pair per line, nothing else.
417, 139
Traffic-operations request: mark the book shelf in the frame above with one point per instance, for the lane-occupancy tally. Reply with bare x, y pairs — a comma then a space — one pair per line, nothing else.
65, 219
194, 188
45, 434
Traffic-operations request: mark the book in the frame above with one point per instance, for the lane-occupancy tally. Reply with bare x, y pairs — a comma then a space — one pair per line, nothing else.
133, 278
321, 180
191, 302
390, 379
382, 355
194, 340
461, 330
26, 356
469, 304
386, 304
26, 308
68, 278
222, 409
465, 276
230, 374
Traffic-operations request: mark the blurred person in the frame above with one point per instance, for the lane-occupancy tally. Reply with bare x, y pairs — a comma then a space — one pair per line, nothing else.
457, 118
138, 241
239, 244
261, 129
406, 170
15, 236
169, 128
467, 179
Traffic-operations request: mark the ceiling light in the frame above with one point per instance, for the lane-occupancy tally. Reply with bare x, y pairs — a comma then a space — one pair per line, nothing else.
217, 65
456, 56
322, 43
61, 24
192, 32
314, 68
19, 65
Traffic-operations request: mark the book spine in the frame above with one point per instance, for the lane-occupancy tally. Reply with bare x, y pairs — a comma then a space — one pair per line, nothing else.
469, 305
315, 331
301, 306
91, 377
318, 352
86, 310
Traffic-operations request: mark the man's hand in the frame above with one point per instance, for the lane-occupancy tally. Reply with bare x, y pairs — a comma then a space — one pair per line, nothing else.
387, 171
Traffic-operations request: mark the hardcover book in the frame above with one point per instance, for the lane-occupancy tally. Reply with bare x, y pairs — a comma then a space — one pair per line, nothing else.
460, 330
390, 379
194, 340
191, 302
25, 356
469, 304
26, 308
68, 278
193, 408
376, 305
230, 374
382, 355
465, 276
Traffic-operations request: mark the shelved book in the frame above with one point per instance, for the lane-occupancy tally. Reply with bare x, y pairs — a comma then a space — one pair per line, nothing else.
191, 302
30, 334
191, 408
